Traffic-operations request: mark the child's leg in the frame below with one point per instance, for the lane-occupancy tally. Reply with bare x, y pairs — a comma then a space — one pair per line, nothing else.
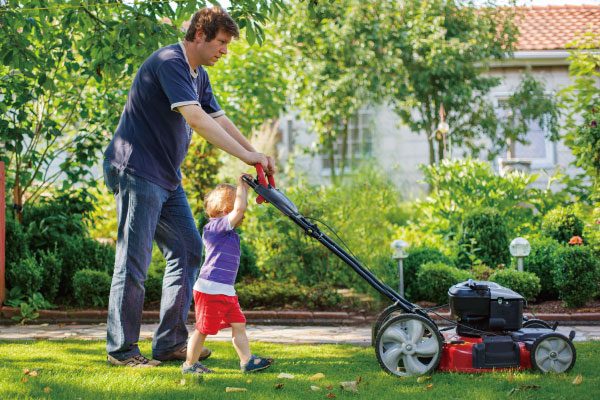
194, 347
240, 341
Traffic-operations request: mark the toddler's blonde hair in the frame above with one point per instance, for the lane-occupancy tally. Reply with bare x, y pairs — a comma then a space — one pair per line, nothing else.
220, 200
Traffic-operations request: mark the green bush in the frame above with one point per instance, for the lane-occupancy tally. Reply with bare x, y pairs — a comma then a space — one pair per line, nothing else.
260, 294
79, 253
248, 267
541, 261
417, 257
91, 288
435, 278
562, 224
51, 266
284, 252
576, 275
153, 289
25, 274
17, 243
486, 230
526, 284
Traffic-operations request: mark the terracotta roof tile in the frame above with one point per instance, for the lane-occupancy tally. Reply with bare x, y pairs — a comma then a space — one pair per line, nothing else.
554, 27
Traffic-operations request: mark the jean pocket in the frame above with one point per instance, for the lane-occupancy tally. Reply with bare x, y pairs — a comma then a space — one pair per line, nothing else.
111, 177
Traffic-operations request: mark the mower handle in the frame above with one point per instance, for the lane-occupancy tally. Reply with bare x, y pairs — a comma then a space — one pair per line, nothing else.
260, 174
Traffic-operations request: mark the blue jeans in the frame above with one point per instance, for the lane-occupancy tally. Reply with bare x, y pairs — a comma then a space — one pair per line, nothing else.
147, 212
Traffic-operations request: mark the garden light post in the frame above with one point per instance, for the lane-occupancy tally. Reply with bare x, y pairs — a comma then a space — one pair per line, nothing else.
520, 248
399, 247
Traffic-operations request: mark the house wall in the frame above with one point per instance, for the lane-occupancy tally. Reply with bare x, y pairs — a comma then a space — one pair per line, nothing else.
400, 151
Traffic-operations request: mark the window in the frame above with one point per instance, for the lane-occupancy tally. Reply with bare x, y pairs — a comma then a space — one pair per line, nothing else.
359, 146
539, 150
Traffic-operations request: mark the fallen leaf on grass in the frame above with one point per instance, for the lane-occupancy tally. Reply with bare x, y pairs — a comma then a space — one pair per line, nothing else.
422, 379
279, 386
329, 387
33, 373
24, 379
577, 379
428, 386
349, 386
249, 381
180, 381
315, 388
317, 376
234, 389
330, 395
511, 377
529, 387
47, 389
286, 376
26, 371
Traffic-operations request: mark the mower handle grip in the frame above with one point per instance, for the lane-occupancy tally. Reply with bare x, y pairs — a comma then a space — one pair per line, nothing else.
260, 174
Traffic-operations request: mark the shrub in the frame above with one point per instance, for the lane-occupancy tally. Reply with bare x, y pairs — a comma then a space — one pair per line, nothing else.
576, 275
247, 262
17, 243
258, 294
153, 289
487, 230
284, 252
51, 265
526, 284
435, 278
562, 224
412, 265
91, 288
25, 274
541, 261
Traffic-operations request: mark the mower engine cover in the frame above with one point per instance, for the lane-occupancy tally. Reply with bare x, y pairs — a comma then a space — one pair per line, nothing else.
485, 306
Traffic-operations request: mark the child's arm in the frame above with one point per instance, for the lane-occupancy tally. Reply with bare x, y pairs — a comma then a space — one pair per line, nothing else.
241, 201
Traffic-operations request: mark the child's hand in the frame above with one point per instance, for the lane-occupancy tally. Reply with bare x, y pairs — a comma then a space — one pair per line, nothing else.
243, 183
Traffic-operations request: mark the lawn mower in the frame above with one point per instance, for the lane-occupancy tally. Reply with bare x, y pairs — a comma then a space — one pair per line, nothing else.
490, 331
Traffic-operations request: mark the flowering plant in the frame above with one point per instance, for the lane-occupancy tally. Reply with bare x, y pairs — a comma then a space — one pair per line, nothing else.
576, 240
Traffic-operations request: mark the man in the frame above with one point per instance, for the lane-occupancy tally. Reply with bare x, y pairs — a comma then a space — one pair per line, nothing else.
170, 97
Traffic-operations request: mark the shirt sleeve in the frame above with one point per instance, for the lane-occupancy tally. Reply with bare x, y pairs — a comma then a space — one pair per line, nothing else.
207, 99
222, 225
177, 83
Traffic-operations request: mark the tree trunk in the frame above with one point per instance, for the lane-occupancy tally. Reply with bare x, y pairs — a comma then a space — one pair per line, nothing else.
344, 149
18, 198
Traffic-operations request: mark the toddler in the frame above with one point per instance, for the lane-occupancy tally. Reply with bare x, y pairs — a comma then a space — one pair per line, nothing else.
216, 303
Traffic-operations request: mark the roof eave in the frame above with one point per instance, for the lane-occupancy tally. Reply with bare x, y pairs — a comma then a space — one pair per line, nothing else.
534, 58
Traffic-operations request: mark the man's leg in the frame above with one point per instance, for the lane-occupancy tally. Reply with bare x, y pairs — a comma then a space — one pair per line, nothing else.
181, 245
139, 204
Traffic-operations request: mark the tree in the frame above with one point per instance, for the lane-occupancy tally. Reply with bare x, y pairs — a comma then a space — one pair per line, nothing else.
582, 102
446, 48
337, 65
66, 71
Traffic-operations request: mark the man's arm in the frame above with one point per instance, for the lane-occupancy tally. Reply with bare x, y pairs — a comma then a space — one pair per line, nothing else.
206, 126
235, 133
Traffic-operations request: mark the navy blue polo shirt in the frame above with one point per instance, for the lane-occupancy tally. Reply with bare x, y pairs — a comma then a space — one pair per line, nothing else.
152, 138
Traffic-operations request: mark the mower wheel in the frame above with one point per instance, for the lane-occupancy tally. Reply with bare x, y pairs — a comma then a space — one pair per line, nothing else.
387, 313
536, 323
408, 344
553, 352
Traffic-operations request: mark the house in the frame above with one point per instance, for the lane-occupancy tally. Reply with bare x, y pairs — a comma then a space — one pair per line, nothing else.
541, 48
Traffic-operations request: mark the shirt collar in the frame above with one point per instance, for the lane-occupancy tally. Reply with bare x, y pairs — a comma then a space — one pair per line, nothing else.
192, 71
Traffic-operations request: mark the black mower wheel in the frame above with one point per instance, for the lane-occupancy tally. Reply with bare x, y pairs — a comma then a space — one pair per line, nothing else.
553, 352
389, 312
407, 345
536, 323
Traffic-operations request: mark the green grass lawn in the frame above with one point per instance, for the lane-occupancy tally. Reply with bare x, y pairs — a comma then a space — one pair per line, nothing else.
77, 369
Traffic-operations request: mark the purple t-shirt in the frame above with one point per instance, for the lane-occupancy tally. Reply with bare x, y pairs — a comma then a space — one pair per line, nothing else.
222, 247
152, 138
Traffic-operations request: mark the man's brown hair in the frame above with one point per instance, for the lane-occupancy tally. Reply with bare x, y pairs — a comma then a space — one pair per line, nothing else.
211, 21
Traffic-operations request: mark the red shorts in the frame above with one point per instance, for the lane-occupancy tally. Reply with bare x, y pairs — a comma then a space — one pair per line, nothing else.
216, 311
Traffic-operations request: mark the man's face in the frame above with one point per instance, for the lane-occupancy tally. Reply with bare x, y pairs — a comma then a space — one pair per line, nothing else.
210, 52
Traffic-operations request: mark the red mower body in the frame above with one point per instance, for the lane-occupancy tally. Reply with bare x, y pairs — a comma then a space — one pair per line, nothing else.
457, 355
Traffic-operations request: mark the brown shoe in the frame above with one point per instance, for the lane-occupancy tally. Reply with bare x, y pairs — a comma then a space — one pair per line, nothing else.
181, 354
138, 361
